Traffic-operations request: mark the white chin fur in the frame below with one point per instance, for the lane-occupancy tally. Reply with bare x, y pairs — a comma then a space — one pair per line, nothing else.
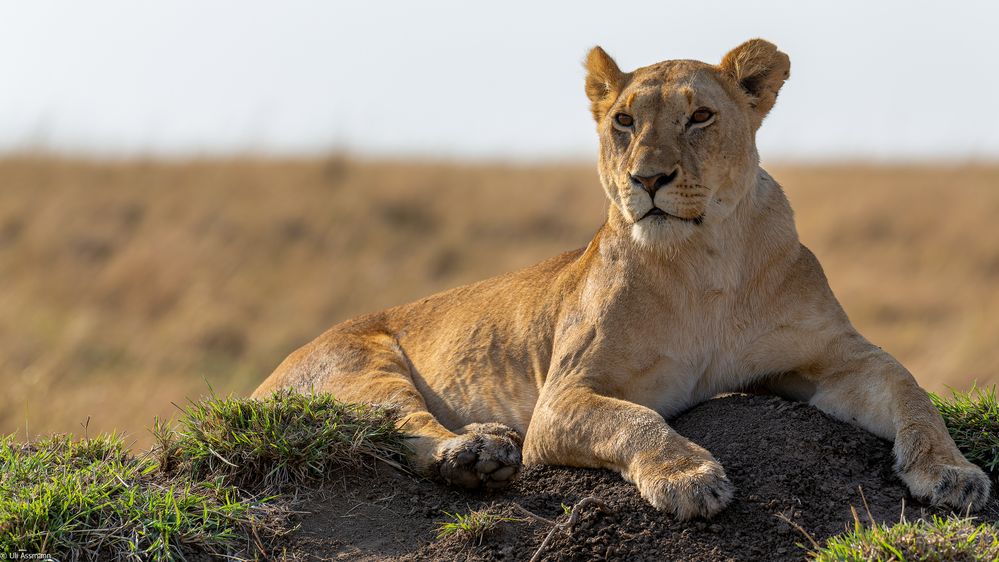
661, 233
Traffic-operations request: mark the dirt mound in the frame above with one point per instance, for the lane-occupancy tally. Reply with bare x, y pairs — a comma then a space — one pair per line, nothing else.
785, 459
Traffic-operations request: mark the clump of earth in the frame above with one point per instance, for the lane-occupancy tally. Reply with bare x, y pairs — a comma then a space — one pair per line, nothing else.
797, 471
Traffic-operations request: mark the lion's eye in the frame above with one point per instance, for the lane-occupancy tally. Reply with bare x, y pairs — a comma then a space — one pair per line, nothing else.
702, 115
624, 119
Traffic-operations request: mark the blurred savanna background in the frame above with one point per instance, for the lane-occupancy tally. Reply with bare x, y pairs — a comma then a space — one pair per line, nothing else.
190, 192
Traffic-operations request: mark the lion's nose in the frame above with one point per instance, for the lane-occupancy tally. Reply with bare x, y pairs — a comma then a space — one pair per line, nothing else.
652, 184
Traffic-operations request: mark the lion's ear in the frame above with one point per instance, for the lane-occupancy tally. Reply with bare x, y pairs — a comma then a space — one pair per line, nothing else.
760, 70
604, 81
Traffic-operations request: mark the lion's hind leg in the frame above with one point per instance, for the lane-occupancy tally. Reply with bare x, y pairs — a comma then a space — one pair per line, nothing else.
372, 368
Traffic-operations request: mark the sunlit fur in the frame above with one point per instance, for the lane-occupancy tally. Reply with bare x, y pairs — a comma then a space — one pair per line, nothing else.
585, 354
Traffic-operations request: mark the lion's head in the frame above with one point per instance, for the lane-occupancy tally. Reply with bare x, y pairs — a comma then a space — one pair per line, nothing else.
678, 138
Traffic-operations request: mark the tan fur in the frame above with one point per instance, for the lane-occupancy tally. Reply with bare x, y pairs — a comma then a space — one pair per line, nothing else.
585, 354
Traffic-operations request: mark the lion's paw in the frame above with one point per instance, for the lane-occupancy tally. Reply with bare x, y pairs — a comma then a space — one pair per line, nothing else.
701, 491
485, 455
956, 487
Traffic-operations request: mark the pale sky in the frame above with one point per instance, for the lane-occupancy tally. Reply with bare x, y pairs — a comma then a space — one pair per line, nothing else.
881, 80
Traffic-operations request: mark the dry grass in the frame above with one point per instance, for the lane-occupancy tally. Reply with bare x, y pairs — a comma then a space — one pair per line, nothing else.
126, 286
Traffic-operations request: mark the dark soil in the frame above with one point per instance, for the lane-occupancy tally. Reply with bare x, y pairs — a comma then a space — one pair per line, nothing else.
786, 459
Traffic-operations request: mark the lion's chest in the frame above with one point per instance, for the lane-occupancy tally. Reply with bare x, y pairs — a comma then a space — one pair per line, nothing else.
683, 363
673, 383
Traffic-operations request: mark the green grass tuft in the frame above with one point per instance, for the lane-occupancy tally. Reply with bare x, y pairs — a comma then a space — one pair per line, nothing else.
973, 421
91, 499
473, 526
198, 491
938, 539
284, 440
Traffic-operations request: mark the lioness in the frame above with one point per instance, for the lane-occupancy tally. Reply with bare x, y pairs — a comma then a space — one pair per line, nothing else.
695, 285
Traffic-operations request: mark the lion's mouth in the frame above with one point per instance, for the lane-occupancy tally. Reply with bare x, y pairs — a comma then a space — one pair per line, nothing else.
657, 212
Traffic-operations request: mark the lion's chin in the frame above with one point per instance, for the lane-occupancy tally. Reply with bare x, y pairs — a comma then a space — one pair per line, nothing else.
662, 231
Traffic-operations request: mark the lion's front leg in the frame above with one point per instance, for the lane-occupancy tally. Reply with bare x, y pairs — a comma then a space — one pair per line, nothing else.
859, 383
574, 426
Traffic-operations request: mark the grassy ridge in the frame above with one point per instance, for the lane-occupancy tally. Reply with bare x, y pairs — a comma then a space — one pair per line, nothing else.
92, 499
283, 441
200, 490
